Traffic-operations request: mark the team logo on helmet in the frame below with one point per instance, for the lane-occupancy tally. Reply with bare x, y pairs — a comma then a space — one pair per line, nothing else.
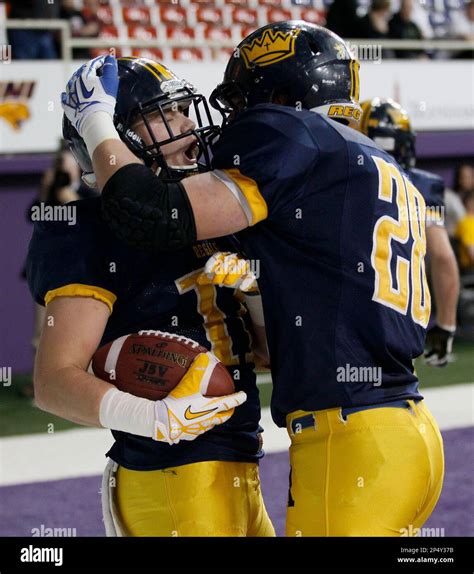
342, 52
269, 48
171, 87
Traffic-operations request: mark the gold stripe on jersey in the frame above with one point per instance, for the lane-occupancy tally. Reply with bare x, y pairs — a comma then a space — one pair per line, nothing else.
80, 290
250, 191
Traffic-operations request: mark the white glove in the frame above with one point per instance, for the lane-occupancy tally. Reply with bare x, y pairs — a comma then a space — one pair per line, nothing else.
229, 270
186, 413
183, 415
88, 93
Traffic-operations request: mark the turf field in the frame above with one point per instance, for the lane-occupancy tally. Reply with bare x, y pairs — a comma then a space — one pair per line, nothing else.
50, 471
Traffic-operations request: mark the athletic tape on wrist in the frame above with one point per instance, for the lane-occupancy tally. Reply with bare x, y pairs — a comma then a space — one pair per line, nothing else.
97, 128
124, 412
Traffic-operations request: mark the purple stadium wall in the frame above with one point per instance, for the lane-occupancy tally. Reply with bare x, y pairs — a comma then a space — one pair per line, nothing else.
16, 306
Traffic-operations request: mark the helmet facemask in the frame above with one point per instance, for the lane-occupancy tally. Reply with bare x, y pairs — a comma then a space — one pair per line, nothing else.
147, 88
152, 152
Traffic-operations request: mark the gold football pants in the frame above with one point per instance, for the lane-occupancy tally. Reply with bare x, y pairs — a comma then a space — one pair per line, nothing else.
374, 472
212, 498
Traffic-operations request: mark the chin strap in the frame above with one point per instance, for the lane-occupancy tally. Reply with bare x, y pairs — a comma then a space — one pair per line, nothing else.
182, 171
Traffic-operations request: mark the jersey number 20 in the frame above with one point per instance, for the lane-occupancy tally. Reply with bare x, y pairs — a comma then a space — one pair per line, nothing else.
410, 273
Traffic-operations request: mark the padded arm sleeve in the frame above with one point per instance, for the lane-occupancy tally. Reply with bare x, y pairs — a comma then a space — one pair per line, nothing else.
146, 212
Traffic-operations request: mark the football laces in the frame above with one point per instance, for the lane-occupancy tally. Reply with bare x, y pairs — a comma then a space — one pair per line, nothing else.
180, 338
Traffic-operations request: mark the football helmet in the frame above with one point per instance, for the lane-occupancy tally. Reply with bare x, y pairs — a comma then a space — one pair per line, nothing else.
388, 125
292, 63
147, 87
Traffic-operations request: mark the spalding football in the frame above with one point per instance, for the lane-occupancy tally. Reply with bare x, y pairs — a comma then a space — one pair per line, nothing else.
150, 364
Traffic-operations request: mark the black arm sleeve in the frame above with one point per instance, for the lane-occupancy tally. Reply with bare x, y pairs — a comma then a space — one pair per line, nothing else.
146, 212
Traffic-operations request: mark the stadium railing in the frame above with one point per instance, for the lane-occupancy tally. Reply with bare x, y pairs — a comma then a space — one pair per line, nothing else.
68, 43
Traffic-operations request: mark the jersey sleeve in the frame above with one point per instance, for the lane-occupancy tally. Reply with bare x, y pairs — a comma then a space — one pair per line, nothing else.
431, 187
264, 158
437, 193
67, 261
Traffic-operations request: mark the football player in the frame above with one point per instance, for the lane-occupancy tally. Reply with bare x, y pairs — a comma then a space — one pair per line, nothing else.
388, 124
97, 289
335, 226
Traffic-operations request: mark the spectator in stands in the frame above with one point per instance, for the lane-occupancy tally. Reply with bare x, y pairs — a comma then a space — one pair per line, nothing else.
375, 23
453, 198
342, 18
465, 236
464, 180
462, 28
402, 27
91, 5
61, 182
28, 44
420, 15
83, 25
462, 23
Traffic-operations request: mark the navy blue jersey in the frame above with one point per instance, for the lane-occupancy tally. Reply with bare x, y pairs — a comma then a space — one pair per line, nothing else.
431, 186
334, 225
153, 292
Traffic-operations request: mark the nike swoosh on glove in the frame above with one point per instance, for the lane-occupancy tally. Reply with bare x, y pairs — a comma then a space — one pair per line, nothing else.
92, 88
186, 413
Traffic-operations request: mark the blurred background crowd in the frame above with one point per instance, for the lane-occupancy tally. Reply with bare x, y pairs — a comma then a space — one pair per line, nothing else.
234, 19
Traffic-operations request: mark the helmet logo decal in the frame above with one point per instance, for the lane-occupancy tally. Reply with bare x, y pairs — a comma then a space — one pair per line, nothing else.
341, 51
269, 48
172, 86
339, 111
133, 136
